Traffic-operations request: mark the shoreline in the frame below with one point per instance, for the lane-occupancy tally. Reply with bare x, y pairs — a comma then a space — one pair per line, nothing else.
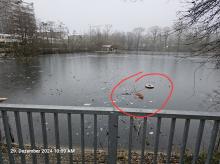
122, 52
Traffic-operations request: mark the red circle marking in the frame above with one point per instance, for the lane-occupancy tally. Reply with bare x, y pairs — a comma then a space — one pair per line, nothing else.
139, 78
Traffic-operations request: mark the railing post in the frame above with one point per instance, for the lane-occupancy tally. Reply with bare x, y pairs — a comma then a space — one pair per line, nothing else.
112, 138
8, 137
1, 158
212, 142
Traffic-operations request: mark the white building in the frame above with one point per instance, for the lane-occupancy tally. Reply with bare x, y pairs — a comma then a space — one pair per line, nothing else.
7, 38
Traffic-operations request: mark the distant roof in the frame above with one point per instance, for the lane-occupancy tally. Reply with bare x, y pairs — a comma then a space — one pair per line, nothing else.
75, 35
107, 46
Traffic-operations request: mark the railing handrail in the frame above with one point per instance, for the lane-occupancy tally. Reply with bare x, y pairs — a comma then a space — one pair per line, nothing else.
107, 110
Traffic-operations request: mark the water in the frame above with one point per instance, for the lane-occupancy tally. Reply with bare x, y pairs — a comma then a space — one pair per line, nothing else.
87, 79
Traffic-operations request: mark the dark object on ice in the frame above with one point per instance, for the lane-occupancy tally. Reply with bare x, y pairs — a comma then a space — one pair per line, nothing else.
139, 95
149, 86
126, 93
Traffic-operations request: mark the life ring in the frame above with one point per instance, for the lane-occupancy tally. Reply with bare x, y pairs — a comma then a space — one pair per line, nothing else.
149, 86
2, 99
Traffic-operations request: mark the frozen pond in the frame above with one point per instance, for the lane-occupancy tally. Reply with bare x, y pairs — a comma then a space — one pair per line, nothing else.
87, 79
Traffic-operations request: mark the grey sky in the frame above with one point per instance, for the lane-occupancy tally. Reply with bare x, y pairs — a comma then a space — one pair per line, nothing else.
123, 15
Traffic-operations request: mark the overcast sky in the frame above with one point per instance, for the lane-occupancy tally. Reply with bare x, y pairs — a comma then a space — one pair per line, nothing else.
123, 15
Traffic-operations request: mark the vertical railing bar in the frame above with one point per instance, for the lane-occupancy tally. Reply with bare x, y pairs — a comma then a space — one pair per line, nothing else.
130, 139
44, 132
198, 141
82, 139
32, 136
70, 136
170, 142
57, 136
1, 157
143, 140
212, 142
19, 134
156, 143
184, 140
112, 138
95, 138
217, 144
7, 135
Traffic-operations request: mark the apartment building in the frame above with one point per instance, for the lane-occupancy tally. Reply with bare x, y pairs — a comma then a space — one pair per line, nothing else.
16, 17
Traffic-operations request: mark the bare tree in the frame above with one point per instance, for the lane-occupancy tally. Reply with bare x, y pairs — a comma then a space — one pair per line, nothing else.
204, 15
138, 34
166, 33
154, 32
178, 28
107, 31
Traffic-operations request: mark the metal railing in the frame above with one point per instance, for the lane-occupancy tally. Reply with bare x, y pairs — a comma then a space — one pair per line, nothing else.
113, 116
